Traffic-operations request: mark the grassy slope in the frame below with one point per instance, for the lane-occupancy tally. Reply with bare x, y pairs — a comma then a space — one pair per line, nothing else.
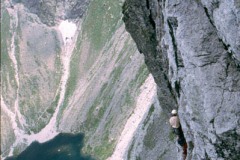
98, 27
7, 79
41, 85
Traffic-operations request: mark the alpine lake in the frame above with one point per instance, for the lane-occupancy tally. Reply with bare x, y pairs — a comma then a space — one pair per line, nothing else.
62, 147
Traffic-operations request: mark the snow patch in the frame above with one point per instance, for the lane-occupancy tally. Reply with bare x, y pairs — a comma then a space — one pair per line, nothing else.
67, 30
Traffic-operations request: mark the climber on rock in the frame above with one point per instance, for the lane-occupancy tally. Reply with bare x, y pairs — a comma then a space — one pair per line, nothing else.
177, 129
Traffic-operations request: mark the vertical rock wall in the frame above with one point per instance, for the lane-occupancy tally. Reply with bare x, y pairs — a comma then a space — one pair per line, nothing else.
192, 49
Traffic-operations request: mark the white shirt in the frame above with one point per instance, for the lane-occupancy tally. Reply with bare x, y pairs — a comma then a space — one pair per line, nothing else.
174, 122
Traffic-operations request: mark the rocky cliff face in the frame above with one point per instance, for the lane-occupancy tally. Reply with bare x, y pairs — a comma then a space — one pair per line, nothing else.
51, 11
192, 48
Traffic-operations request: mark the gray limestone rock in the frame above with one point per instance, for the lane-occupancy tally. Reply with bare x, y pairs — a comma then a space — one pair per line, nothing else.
225, 17
192, 49
154, 139
50, 11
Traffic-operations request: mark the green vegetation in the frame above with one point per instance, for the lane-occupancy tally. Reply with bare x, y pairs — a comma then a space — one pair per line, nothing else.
74, 73
130, 149
96, 112
17, 50
101, 21
149, 140
103, 100
6, 63
92, 120
31, 104
142, 74
171, 136
74, 69
104, 150
128, 48
128, 98
72, 80
19, 148
140, 77
57, 63
98, 27
115, 75
150, 112
54, 104
138, 158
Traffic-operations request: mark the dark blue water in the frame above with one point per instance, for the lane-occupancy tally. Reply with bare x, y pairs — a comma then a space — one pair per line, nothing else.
62, 147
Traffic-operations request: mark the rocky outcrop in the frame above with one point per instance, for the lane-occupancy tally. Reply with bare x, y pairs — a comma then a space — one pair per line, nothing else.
50, 11
192, 49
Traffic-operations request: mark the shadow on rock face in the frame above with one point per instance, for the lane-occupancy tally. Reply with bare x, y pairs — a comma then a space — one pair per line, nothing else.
62, 147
